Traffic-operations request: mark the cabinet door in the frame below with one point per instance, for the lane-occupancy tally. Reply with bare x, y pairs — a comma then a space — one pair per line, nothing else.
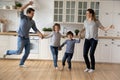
105, 50
70, 11
4, 45
106, 10
116, 52
45, 52
58, 11
82, 7
116, 16
78, 51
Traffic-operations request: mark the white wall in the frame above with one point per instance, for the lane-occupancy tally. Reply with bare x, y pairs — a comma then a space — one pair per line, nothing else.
43, 14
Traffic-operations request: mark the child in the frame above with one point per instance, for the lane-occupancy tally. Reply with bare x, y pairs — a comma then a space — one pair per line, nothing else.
70, 44
55, 43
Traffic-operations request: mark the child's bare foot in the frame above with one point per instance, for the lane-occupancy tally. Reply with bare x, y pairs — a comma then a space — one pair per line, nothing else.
62, 69
56, 68
69, 69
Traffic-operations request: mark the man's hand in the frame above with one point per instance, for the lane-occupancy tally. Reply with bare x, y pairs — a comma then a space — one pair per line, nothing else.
30, 3
25, 6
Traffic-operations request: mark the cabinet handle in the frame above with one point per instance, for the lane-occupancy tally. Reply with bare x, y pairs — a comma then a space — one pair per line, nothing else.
106, 45
118, 45
112, 42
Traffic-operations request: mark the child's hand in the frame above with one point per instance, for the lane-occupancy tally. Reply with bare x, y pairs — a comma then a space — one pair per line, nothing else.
59, 48
112, 27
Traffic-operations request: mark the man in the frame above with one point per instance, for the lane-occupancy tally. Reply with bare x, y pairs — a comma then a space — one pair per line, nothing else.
26, 23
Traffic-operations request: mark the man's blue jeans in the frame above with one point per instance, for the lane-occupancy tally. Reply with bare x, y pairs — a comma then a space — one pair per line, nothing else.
22, 43
54, 51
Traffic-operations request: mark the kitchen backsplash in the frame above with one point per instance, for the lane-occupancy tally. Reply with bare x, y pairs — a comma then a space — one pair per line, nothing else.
70, 27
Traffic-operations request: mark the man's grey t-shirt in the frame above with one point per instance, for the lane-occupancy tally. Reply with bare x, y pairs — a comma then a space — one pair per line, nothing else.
91, 28
25, 25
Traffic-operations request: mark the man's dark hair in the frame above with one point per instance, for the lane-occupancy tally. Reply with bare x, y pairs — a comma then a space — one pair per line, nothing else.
29, 10
70, 33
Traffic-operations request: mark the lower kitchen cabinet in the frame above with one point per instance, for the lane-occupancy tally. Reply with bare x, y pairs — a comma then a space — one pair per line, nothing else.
104, 52
115, 53
107, 50
45, 49
4, 45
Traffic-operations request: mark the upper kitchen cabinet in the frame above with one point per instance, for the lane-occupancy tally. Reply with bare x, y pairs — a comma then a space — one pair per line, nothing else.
58, 11
70, 11
73, 11
82, 7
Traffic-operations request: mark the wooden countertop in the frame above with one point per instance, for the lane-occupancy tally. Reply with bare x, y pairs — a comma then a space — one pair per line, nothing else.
15, 34
33, 34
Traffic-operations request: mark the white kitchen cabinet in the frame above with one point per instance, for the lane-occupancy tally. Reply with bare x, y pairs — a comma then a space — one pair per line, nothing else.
73, 11
45, 52
105, 51
4, 45
115, 53
58, 11
78, 51
70, 11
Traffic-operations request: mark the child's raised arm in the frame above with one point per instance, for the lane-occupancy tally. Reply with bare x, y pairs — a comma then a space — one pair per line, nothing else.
63, 44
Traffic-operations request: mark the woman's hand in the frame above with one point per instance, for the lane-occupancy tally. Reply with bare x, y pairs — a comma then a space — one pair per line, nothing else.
112, 27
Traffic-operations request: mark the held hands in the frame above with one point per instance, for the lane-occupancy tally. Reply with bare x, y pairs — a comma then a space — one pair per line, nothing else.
59, 48
81, 36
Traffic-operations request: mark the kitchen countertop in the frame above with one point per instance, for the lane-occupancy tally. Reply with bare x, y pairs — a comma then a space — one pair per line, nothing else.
33, 34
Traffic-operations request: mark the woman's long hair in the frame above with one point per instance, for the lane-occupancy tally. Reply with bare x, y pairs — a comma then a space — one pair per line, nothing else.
91, 11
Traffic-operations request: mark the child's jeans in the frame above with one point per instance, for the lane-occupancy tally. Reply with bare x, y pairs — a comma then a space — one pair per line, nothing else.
67, 56
54, 51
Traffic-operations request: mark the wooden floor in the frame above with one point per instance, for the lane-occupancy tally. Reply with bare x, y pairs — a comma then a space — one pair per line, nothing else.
43, 70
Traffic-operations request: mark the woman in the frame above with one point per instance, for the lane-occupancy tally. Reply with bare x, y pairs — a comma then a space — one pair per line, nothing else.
91, 25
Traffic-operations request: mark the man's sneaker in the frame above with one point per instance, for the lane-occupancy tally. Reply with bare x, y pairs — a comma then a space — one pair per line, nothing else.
23, 66
86, 70
91, 71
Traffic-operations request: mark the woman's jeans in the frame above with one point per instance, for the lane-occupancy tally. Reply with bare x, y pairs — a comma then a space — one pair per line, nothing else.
90, 44
22, 43
54, 51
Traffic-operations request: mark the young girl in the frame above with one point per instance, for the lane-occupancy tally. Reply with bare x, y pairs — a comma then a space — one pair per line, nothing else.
55, 42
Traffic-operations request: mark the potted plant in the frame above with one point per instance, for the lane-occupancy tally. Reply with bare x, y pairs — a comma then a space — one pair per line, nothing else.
18, 5
76, 32
47, 30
